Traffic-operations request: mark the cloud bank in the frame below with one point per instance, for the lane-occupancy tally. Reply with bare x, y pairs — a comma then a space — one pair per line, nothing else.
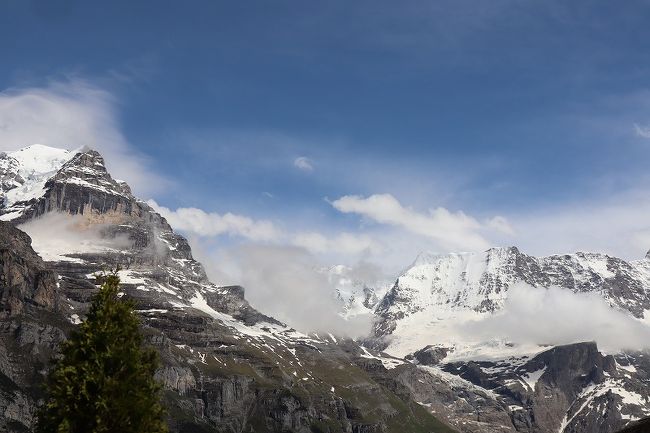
559, 316
348, 244
201, 223
55, 234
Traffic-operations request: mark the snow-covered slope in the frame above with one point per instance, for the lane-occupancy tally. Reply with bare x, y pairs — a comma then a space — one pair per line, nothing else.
23, 174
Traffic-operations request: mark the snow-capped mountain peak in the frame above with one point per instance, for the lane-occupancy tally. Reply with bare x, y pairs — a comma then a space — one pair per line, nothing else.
23, 174
41, 159
441, 287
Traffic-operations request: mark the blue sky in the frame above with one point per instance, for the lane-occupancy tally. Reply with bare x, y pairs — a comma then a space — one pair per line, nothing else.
528, 122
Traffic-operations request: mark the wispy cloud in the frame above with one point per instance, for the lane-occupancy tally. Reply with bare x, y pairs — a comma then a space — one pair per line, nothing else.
642, 130
501, 225
303, 163
70, 115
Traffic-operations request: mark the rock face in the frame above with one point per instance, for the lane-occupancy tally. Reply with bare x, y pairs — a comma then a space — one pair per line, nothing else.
642, 426
226, 367
31, 327
24, 278
572, 388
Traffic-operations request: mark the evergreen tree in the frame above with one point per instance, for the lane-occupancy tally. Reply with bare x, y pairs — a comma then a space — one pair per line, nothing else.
104, 381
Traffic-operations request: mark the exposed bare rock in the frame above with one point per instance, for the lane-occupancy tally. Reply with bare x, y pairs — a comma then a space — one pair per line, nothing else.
24, 278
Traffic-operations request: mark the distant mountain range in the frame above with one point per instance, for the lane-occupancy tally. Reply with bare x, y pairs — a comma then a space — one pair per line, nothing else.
229, 368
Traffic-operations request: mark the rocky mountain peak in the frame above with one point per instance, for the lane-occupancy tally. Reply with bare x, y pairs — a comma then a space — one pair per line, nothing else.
37, 181
88, 168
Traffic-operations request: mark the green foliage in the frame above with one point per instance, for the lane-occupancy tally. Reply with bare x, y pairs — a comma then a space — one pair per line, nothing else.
104, 382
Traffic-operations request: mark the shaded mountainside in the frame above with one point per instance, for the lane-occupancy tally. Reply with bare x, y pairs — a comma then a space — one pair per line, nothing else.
31, 327
226, 367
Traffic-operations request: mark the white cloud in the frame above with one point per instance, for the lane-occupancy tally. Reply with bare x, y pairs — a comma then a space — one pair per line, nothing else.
559, 316
451, 230
501, 225
642, 130
70, 115
198, 222
304, 163
343, 244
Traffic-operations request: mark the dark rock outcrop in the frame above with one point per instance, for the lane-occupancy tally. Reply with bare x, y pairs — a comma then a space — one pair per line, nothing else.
429, 355
24, 278
641, 426
31, 327
566, 388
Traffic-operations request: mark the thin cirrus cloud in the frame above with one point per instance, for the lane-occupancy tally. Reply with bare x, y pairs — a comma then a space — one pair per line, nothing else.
451, 230
69, 115
642, 130
303, 163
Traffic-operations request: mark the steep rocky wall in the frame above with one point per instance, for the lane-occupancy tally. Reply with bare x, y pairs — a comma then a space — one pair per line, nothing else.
31, 327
